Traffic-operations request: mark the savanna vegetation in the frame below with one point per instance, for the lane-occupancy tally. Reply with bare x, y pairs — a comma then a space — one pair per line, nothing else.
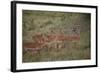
55, 36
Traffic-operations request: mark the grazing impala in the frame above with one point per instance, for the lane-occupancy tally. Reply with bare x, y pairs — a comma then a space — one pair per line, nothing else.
41, 41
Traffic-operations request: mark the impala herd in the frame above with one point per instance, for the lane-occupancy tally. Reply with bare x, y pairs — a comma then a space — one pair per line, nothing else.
41, 41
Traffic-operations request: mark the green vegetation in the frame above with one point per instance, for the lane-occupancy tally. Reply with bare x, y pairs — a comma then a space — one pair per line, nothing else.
54, 23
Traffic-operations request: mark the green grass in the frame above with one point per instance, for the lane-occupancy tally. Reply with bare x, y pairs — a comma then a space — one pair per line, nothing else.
73, 51
45, 22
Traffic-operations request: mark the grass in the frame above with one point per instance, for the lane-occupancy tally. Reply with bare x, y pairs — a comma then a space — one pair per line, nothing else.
72, 52
45, 22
